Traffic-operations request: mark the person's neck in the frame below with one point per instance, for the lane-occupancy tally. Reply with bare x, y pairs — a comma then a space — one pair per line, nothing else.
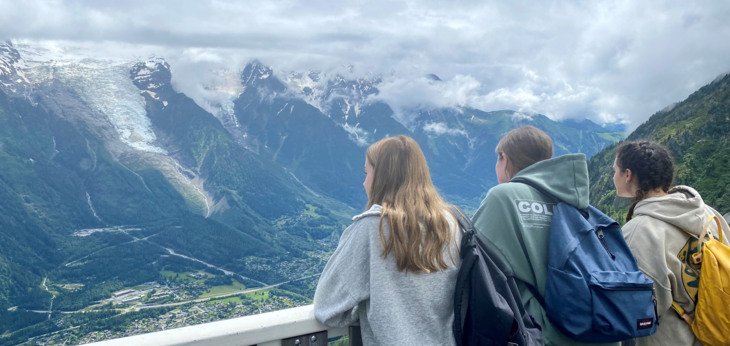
656, 193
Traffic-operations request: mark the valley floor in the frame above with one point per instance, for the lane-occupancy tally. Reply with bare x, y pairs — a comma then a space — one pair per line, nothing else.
177, 303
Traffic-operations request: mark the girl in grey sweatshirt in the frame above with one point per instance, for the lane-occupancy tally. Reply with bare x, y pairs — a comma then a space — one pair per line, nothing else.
394, 269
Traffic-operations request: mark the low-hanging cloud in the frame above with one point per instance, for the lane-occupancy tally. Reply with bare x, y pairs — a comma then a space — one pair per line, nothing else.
558, 100
608, 61
211, 79
443, 129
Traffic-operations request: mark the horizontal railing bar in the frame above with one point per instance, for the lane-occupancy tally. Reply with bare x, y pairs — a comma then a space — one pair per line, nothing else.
265, 329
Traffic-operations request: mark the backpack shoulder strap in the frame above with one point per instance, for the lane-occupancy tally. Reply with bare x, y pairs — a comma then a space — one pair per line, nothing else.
535, 293
683, 314
532, 288
466, 227
706, 231
464, 222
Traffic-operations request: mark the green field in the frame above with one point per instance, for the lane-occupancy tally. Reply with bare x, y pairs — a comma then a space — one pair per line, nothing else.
258, 295
221, 290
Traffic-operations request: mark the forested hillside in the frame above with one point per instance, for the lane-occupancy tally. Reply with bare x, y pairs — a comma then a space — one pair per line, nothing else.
697, 132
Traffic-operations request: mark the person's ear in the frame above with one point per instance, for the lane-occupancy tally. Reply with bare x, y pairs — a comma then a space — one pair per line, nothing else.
507, 166
628, 175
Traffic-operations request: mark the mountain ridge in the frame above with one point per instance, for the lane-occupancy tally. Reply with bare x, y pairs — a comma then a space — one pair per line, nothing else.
695, 131
113, 178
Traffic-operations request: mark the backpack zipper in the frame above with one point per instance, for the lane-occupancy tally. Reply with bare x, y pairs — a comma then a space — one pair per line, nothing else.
602, 239
653, 299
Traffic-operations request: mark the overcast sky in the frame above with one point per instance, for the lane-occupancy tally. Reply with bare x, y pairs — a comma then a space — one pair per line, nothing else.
604, 60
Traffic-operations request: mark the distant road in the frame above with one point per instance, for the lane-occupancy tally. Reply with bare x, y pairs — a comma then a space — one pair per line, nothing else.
225, 271
226, 295
152, 306
121, 229
172, 252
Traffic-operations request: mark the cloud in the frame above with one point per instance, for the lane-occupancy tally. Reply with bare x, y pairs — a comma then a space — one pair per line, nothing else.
404, 91
211, 79
443, 129
608, 61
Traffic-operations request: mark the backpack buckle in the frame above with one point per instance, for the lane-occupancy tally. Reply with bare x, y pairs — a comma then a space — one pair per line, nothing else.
697, 258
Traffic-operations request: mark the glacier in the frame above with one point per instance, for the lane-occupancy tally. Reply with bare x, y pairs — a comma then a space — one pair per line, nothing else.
105, 85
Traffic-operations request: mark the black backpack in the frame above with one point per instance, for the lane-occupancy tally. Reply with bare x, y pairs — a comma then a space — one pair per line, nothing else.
487, 305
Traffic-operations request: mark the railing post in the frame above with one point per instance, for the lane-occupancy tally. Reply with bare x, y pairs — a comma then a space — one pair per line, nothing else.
355, 335
313, 339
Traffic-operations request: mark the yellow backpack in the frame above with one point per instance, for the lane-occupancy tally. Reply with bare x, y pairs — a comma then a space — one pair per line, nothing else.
711, 321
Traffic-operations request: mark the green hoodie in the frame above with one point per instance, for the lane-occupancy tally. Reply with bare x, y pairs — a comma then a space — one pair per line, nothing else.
516, 219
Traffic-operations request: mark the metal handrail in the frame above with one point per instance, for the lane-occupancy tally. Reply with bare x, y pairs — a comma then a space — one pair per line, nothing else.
267, 329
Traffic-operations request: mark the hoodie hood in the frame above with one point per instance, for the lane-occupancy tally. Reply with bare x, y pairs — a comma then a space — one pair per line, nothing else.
565, 178
374, 210
682, 207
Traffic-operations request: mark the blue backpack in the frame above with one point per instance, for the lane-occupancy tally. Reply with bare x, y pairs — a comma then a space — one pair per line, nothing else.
594, 290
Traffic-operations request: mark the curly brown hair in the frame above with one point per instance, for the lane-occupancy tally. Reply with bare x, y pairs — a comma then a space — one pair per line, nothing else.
652, 165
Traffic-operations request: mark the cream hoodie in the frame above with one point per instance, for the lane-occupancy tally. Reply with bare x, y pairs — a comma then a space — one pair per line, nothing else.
657, 235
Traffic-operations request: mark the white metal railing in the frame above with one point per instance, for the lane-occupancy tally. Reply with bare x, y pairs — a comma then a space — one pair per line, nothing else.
266, 329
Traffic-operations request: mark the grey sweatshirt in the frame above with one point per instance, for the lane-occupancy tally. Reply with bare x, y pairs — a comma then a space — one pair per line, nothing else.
657, 235
393, 307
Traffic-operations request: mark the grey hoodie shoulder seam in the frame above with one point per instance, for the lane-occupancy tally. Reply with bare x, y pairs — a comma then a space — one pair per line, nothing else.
375, 210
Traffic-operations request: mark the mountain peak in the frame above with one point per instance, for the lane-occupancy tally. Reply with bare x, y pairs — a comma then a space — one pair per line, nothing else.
356, 90
8, 53
259, 75
359, 88
256, 70
11, 79
151, 75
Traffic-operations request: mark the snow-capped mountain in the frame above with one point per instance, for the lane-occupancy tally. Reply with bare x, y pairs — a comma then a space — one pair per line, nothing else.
255, 174
107, 144
150, 76
314, 125
336, 96
285, 128
12, 78
340, 98
104, 86
458, 142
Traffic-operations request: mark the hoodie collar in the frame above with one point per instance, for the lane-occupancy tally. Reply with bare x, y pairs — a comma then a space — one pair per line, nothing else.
373, 211
564, 177
682, 207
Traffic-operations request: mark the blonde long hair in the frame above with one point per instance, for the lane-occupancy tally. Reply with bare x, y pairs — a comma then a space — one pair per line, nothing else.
402, 185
